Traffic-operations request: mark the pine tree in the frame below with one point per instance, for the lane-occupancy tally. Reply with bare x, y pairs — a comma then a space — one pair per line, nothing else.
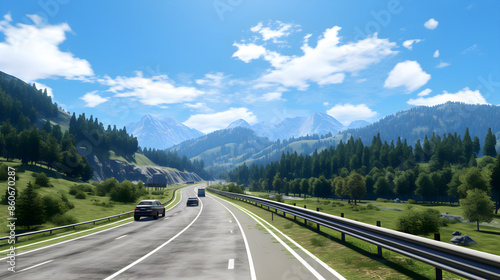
489, 144
495, 181
425, 186
467, 144
29, 208
476, 146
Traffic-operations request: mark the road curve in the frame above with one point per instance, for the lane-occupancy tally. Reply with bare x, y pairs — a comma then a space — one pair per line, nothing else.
204, 242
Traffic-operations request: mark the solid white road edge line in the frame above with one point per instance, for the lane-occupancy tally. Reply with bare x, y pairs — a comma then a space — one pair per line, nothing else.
155, 250
297, 256
331, 270
66, 241
230, 264
253, 275
28, 268
59, 237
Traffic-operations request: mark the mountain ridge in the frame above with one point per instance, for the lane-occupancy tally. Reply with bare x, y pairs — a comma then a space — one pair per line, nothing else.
161, 134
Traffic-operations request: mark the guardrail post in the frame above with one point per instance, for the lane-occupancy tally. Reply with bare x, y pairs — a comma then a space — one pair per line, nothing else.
294, 204
272, 216
343, 234
305, 206
439, 272
50, 232
379, 249
317, 225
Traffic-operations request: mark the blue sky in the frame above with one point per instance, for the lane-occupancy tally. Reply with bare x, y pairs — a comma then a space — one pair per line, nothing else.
208, 63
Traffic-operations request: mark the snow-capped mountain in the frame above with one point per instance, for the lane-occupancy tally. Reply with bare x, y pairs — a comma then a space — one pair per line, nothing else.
239, 123
161, 134
316, 123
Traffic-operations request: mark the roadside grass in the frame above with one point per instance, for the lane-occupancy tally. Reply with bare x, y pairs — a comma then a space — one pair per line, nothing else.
44, 239
359, 259
90, 208
488, 237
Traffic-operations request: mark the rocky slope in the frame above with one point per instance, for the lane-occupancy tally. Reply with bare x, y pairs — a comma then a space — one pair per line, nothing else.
121, 170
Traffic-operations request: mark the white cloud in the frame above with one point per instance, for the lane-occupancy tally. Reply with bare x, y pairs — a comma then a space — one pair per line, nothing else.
267, 33
93, 99
198, 105
267, 97
210, 122
409, 74
306, 38
211, 79
431, 24
425, 92
7, 17
408, 43
471, 48
42, 86
156, 90
328, 62
248, 52
326, 103
436, 54
465, 95
272, 96
31, 52
443, 65
348, 113
361, 80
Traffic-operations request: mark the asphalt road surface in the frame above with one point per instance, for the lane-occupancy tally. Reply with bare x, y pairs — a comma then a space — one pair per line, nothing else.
215, 240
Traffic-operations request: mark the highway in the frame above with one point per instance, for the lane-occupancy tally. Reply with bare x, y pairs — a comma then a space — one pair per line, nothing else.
216, 240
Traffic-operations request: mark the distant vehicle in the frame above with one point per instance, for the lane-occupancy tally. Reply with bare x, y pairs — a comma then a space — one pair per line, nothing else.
201, 192
149, 208
192, 201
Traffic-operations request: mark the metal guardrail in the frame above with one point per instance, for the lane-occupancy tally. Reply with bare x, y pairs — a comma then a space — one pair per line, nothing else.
465, 262
78, 224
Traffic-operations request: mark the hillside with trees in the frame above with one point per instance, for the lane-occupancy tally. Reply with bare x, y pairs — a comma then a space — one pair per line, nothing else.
413, 124
29, 133
441, 169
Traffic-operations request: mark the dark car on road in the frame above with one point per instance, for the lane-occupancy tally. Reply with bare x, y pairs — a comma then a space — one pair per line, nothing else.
192, 201
149, 208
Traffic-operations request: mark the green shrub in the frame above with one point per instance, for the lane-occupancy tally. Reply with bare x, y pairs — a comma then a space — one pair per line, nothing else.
72, 191
419, 222
42, 180
53, 206
158, 192
370, 206
382, 200
80, 195
64, 219
411, 201
65, 200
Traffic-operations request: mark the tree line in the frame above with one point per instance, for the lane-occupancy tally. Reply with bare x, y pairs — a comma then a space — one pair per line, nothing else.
47, 146
24, 104
441, 169
172, 159
90, 134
